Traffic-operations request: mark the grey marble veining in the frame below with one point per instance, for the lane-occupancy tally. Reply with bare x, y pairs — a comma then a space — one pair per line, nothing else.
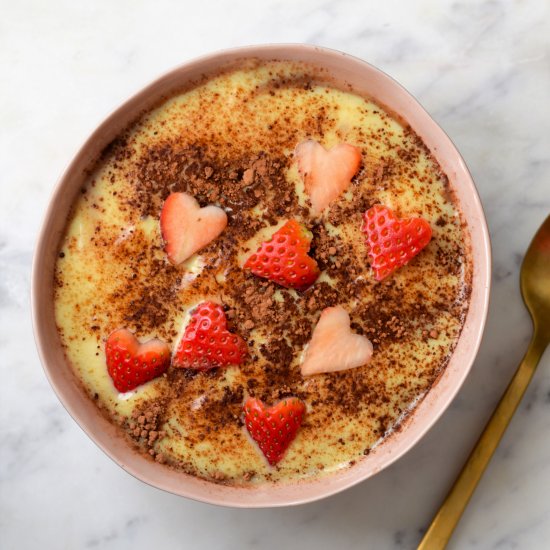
481, 68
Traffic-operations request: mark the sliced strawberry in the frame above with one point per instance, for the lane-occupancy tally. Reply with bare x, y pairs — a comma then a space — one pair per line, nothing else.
391, 241
206, 342
273, 428
283, 258
333, 347
186, 227
130, 363
326, 174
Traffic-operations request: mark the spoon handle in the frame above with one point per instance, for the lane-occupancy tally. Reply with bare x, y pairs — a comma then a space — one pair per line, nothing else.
451, 510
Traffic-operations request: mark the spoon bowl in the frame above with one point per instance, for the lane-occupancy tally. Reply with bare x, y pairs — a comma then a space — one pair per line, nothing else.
535, 280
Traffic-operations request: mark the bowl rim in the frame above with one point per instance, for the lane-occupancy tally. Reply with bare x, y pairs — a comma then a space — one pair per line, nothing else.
233, 496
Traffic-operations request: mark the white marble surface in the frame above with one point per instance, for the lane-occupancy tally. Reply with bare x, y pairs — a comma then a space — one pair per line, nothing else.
482, 68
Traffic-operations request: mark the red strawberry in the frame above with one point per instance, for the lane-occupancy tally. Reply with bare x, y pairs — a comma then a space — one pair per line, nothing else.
186, 227
391, 241
326, 174
284, 258
206, 342
274, 428
130, 363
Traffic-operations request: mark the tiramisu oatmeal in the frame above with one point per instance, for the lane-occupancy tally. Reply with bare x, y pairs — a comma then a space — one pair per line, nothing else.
262, 277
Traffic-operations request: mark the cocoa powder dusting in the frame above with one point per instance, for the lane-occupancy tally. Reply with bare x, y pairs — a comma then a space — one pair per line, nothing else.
247, 174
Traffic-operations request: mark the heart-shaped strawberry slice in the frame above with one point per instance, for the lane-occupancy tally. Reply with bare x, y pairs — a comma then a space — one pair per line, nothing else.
273, 428
130, 363
283, 258
206, 343
186, 227
333, 347
393, 242
326, 174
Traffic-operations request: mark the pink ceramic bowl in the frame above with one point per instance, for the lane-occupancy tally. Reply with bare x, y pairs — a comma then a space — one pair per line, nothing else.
364, 79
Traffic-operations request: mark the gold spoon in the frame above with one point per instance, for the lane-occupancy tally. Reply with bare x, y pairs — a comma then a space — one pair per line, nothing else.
535, 289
